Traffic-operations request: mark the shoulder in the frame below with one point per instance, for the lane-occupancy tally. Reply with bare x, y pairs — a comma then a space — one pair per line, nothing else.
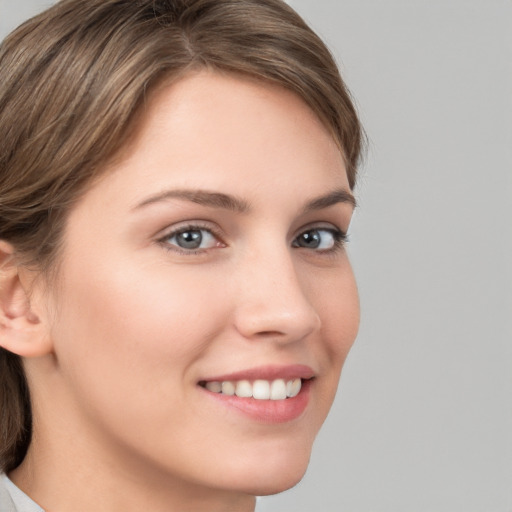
13, 499
6, 503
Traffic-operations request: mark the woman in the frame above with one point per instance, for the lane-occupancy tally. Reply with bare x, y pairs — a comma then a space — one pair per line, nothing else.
176, 299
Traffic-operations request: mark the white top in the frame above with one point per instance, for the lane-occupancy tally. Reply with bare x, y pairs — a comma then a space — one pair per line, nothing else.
13, 499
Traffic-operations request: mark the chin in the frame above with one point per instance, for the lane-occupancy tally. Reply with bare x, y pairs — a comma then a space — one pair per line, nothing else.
271, 474
269, 486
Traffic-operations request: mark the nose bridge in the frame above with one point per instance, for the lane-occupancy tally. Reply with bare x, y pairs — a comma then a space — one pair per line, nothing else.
272, 301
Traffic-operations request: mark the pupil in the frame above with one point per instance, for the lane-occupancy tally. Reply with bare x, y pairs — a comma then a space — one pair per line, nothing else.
311, 239
189, 239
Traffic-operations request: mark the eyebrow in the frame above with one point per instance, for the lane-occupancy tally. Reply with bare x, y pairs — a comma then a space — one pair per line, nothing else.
238, 205
336, 196
202, 197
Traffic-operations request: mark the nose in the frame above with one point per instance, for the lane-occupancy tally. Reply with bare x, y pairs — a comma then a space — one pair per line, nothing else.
272, 303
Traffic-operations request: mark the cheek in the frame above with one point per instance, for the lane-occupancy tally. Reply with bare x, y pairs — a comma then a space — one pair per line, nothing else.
335, 297
337, 302
129, 334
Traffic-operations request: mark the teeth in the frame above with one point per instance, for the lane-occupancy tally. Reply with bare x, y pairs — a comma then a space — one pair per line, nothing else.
278, 389
261, 390
293, 387
228, 388
214, 387
243, 389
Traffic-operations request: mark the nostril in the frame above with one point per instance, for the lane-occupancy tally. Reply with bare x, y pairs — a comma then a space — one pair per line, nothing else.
270, 334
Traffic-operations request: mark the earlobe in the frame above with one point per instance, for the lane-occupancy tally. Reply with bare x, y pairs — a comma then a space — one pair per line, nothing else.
22, 331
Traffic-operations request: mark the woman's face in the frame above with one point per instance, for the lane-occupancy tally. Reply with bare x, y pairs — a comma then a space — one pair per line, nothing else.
211, 256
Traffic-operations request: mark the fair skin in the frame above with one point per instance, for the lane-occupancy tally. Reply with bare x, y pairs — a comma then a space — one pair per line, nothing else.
255, 286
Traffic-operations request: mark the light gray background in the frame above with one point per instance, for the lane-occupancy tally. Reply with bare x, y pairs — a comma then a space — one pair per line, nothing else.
423, 420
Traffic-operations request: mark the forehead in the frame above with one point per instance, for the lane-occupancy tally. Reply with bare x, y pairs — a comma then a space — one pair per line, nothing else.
229, 133
237, 112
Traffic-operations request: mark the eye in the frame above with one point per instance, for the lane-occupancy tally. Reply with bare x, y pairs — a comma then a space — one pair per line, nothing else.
191, 238
320, 239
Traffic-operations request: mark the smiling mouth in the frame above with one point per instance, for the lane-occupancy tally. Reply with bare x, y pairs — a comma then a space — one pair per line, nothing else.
277, 389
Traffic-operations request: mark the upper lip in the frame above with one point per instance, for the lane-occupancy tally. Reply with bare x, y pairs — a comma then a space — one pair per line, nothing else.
271, 372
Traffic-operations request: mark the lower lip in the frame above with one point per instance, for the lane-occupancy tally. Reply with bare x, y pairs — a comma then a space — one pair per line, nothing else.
267, 411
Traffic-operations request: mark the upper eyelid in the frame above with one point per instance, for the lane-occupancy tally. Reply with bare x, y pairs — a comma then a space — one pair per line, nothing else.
217, 231
180, 227
327, 226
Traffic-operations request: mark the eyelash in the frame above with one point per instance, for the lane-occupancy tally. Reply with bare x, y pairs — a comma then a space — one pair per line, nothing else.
164, 241
340, 238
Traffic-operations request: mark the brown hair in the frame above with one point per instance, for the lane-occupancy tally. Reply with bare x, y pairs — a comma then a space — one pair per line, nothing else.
71, 83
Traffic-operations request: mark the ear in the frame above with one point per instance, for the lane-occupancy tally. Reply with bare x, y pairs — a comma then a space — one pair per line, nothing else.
21, 330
